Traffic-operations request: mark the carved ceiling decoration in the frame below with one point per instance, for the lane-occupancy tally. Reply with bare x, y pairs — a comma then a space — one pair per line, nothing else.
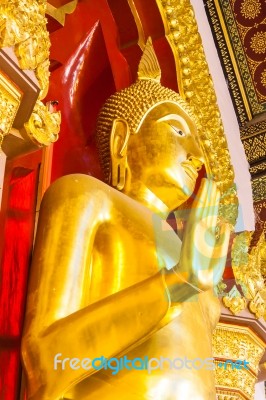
239, 27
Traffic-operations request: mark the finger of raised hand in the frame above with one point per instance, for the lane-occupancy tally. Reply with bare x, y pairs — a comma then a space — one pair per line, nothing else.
220, 254
206, 203
200, 199
214, 210
222, 243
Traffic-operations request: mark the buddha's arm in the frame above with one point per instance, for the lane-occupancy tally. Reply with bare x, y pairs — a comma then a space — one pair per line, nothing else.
105, 328
58, 317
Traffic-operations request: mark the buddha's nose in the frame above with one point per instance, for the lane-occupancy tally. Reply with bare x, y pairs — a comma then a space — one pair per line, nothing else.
197, 163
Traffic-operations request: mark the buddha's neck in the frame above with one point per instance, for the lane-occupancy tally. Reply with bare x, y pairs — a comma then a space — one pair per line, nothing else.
147, 198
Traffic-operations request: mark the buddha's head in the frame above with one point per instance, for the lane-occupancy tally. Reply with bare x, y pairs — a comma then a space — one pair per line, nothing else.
147, 139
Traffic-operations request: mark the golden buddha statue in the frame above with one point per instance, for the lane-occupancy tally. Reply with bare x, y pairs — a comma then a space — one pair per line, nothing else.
110, 278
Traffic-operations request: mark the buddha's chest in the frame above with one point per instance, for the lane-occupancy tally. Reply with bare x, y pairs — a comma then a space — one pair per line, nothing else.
121, 257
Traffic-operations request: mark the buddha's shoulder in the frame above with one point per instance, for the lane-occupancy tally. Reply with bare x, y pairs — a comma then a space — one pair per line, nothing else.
80, 190
79, 187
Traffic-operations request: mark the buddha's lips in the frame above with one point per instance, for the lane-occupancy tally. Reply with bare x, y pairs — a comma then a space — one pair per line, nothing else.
190, 170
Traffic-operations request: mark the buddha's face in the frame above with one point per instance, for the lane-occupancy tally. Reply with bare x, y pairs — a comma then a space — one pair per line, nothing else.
165, 154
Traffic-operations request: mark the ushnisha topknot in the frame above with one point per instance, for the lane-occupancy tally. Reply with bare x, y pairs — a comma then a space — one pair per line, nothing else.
133, 103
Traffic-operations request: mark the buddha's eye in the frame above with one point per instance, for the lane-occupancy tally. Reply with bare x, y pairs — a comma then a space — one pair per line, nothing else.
177, 130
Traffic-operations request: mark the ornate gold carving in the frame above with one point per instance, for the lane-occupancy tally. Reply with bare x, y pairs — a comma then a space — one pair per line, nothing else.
196, 87
258, 306
250, 8
233, 342
10, 98
248, 269
234, 301
43, 127
59, 14
243, 380
23, 25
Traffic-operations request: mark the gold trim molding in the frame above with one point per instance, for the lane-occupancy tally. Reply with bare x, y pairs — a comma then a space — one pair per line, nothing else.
23, 26
196, 86
228, 395
233, 342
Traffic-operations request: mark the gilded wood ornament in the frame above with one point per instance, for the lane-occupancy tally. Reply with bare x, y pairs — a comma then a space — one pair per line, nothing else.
234, 301
23, 26
10, 98
43, 127
196, 87
233, 342
59, 14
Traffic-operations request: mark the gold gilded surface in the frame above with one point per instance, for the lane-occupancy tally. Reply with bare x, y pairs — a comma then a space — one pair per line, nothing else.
23, 26
196, 87
111, 278
10, 98
233, 342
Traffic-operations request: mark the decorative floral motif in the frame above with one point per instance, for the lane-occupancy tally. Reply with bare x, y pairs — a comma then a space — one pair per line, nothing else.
263, 78
250, 8
258, 42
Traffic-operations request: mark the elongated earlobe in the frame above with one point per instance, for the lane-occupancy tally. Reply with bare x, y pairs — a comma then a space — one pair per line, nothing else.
118, 147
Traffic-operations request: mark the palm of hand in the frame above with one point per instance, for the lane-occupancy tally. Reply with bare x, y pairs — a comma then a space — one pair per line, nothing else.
203, 255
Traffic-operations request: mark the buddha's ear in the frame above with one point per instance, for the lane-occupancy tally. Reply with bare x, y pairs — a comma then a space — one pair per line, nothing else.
118, 148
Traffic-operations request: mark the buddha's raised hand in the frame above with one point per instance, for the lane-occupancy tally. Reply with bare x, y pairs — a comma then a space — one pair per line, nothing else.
203, 253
